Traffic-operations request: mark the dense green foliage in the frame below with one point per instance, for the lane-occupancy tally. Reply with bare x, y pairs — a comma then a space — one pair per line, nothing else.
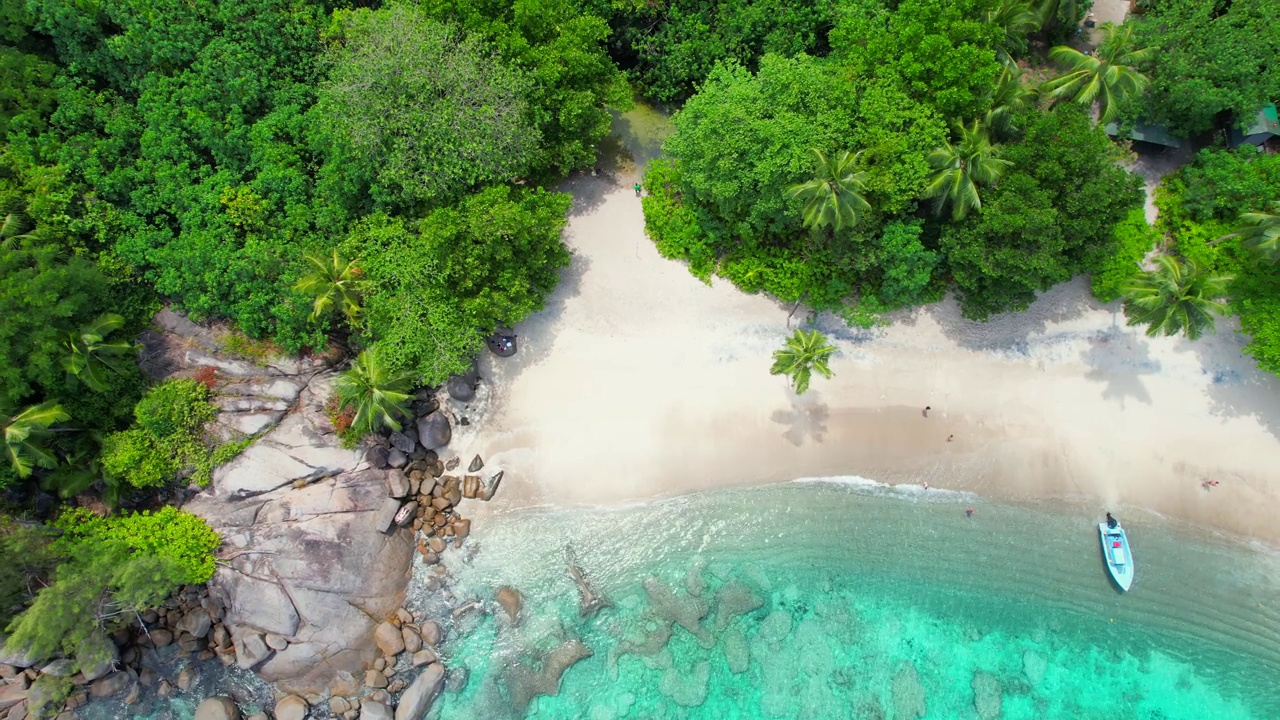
1023, 215
166, 440
1134, 239
1200, 210
438, 286
1177, 297
109, 568
1213, 56
1053, 215
418, 114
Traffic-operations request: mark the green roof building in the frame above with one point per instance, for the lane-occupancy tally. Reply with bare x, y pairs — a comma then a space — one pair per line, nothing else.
1265, 126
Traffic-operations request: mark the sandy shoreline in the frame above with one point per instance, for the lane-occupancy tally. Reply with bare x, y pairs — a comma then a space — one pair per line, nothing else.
638, 380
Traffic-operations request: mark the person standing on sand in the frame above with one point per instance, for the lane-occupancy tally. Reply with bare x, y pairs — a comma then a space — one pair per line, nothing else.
637, 187
925, 411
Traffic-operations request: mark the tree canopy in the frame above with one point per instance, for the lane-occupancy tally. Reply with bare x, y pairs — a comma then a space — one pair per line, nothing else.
1213, 56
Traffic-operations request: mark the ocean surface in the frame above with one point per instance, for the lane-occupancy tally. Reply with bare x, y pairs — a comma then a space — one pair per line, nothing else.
842, 598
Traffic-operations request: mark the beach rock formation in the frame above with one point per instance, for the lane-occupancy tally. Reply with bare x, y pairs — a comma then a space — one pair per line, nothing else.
590, 602
306, 555
511, 602
416, 701
434, 431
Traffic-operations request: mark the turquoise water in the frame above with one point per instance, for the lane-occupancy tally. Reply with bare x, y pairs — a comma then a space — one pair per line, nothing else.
845, 600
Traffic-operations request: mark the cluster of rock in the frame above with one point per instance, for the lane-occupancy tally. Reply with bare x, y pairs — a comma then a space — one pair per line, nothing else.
187, 627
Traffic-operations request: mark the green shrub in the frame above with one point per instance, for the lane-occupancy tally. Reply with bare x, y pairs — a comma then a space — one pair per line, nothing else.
1134, 239
179, 537
259, 352
673, 226
135, 456
112, 568
174, 406
167, 439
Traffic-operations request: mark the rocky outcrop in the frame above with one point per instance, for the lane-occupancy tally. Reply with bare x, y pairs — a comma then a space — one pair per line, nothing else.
305, 555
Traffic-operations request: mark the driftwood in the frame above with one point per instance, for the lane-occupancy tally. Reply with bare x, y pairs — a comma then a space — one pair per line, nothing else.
589, 601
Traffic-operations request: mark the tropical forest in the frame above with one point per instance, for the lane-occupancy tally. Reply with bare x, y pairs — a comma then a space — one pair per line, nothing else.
384, 187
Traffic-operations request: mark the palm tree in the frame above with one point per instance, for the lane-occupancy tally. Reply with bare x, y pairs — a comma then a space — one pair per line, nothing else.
1260, 231
376, 393
1109, 76
1009, 97
26, 432
12, 228
89, 356
959, 169
332, 282
1018, 20
802, 354
1178, 296
834, 196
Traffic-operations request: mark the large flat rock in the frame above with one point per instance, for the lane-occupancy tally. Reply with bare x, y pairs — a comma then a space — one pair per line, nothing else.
309, 563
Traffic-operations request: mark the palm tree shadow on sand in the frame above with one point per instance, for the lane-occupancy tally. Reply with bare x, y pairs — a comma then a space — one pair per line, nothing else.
807, 418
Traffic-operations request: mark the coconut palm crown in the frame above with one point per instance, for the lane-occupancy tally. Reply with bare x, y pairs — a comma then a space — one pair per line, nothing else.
333, 282
1179, 296
26, 432
89, 356
834, 196
1109, 77
960, 168
804, 353
376, 393
1260, 231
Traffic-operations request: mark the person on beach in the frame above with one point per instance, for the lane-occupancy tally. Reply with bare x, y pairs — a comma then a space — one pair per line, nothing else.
1209, 484
637, 187
926, 410
950, 438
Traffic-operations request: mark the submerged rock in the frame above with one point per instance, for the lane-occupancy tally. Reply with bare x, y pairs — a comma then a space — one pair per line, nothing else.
510, 600
736, 651
687, 612
908, 694
987, 698
686, 688
526, 684
1034, 666
734, 598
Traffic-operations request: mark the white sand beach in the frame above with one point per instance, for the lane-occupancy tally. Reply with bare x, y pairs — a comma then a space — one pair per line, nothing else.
638, 380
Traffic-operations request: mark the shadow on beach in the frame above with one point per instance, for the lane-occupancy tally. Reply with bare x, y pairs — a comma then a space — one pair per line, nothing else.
1009, 332
1237, 388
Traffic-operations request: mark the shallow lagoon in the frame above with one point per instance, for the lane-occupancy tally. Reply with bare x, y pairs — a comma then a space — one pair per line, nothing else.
873, 602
